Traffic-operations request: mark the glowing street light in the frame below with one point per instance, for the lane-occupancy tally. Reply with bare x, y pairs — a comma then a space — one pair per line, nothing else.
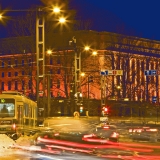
86, 48
56, 10
62, 20
49, 51
94, 53
0, 16
118, 87
82, 74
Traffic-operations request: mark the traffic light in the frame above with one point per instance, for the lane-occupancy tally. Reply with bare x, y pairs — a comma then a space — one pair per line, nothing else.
105, 110
81, 109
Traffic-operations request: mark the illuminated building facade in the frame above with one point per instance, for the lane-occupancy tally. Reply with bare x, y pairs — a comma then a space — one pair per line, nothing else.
132, 55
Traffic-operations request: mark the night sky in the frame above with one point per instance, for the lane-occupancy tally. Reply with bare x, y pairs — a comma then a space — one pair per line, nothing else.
139, 18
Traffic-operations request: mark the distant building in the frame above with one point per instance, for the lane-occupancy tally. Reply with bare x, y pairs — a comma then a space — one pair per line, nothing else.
132, 55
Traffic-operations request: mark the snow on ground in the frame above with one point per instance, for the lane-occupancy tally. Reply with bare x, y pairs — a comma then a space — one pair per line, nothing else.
5, 142
24, 141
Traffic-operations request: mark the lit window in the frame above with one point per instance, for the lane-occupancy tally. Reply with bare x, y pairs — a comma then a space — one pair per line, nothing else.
9, 74
2, 74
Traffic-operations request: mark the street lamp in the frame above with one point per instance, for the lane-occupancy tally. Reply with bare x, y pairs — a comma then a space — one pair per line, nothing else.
40, 51
56, 9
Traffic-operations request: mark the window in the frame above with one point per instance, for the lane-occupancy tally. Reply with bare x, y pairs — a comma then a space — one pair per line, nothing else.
2, 86
16, 85
9, 63
51, 62
26, 109
9, 85
9, 74
16, 62
22, 85
22, 62
58, 71
16, 74
22, 72
2, 74
2, 64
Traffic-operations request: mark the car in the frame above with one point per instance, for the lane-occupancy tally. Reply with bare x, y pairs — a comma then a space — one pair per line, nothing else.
103, 134
98, 135
145, 134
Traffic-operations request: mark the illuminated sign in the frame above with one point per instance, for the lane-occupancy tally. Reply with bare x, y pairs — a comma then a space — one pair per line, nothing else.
112, 72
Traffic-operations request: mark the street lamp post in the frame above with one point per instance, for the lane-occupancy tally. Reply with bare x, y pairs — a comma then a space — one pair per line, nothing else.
40, 54
40, 59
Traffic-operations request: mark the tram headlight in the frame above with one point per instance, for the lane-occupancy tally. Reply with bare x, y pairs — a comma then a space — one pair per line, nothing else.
14, 126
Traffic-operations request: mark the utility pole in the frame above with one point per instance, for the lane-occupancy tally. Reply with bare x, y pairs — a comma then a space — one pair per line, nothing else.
48, 95
77, 67
40, 53
88, 96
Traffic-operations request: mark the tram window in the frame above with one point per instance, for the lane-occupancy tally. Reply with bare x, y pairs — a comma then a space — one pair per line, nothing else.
36, 112
26, 108
30, 112
7, 109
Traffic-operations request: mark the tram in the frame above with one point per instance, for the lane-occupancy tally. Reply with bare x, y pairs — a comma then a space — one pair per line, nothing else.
16, 112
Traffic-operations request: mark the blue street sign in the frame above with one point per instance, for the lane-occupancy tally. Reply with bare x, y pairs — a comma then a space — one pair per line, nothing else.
104, 72
153, 72
154, 99
147, 72
112, 72
150, 72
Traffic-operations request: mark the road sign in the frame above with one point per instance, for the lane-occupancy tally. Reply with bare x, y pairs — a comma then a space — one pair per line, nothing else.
150, 72
112, 72
154, 99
